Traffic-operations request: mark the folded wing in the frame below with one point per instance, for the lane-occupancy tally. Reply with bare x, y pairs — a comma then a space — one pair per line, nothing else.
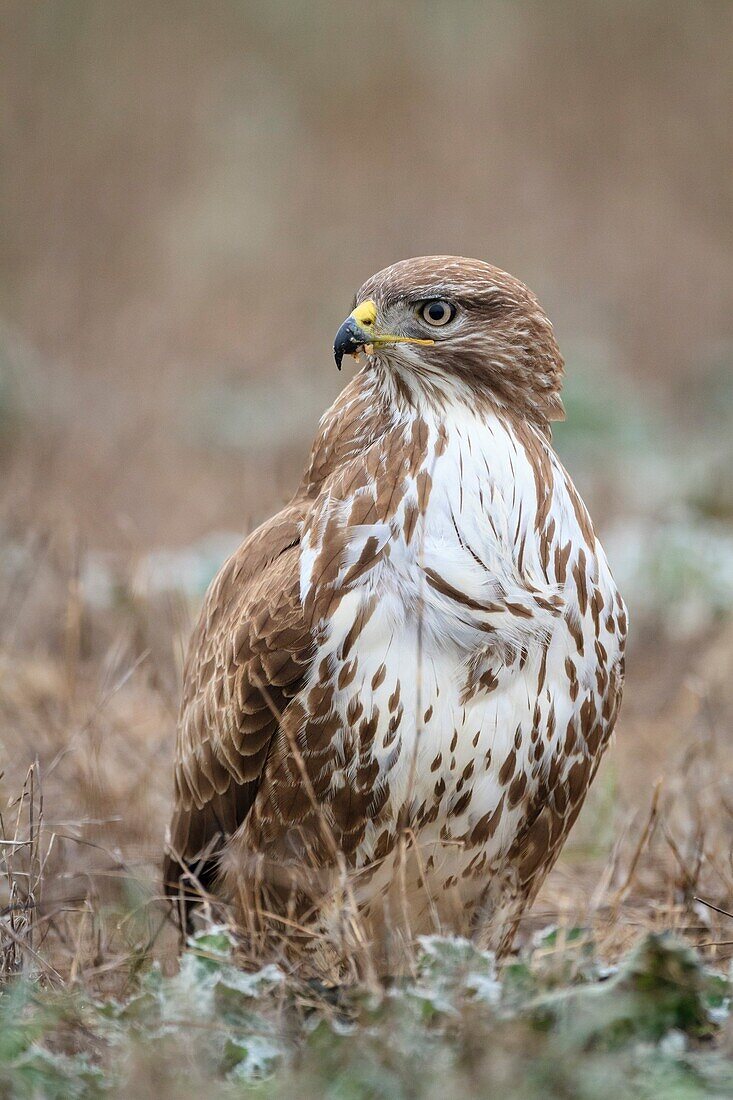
247, 658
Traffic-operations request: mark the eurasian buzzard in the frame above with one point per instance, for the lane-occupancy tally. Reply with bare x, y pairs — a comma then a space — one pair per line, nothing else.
401, 686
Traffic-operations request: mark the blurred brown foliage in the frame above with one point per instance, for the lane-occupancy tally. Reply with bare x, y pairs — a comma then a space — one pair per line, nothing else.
191, 194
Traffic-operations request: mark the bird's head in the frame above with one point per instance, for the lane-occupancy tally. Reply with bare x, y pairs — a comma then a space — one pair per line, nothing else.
453, 327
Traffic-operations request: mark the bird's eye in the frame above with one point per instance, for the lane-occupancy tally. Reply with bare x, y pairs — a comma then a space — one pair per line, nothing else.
437, 313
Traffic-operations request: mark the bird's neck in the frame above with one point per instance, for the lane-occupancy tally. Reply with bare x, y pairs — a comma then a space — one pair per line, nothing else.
379, 399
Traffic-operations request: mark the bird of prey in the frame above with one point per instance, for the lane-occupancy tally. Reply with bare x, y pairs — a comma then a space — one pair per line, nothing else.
400, 687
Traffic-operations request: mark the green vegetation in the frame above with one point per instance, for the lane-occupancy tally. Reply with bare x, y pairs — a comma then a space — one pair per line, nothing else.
551, 1023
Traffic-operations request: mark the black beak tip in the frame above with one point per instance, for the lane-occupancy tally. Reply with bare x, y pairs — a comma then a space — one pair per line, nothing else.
349, 339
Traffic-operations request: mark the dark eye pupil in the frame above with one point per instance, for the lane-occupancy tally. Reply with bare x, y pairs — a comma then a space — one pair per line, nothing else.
436, 311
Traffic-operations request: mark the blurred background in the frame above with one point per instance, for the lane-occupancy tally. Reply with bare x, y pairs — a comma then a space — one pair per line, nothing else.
190, 194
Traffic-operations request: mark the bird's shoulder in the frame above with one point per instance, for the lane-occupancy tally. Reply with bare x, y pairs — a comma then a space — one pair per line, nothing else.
250, 613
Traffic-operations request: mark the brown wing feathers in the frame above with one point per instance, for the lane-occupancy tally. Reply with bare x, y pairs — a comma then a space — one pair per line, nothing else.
247, 658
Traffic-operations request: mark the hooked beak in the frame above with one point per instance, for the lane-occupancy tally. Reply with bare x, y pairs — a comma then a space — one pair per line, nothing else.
358, 333
350, 339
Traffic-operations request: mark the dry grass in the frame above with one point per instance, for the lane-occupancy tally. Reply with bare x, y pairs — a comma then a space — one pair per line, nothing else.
88, 717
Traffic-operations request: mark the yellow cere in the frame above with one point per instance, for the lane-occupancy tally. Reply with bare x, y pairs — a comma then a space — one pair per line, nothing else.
366, 313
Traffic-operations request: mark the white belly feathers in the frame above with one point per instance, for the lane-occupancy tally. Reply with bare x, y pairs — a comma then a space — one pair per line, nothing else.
463, 665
